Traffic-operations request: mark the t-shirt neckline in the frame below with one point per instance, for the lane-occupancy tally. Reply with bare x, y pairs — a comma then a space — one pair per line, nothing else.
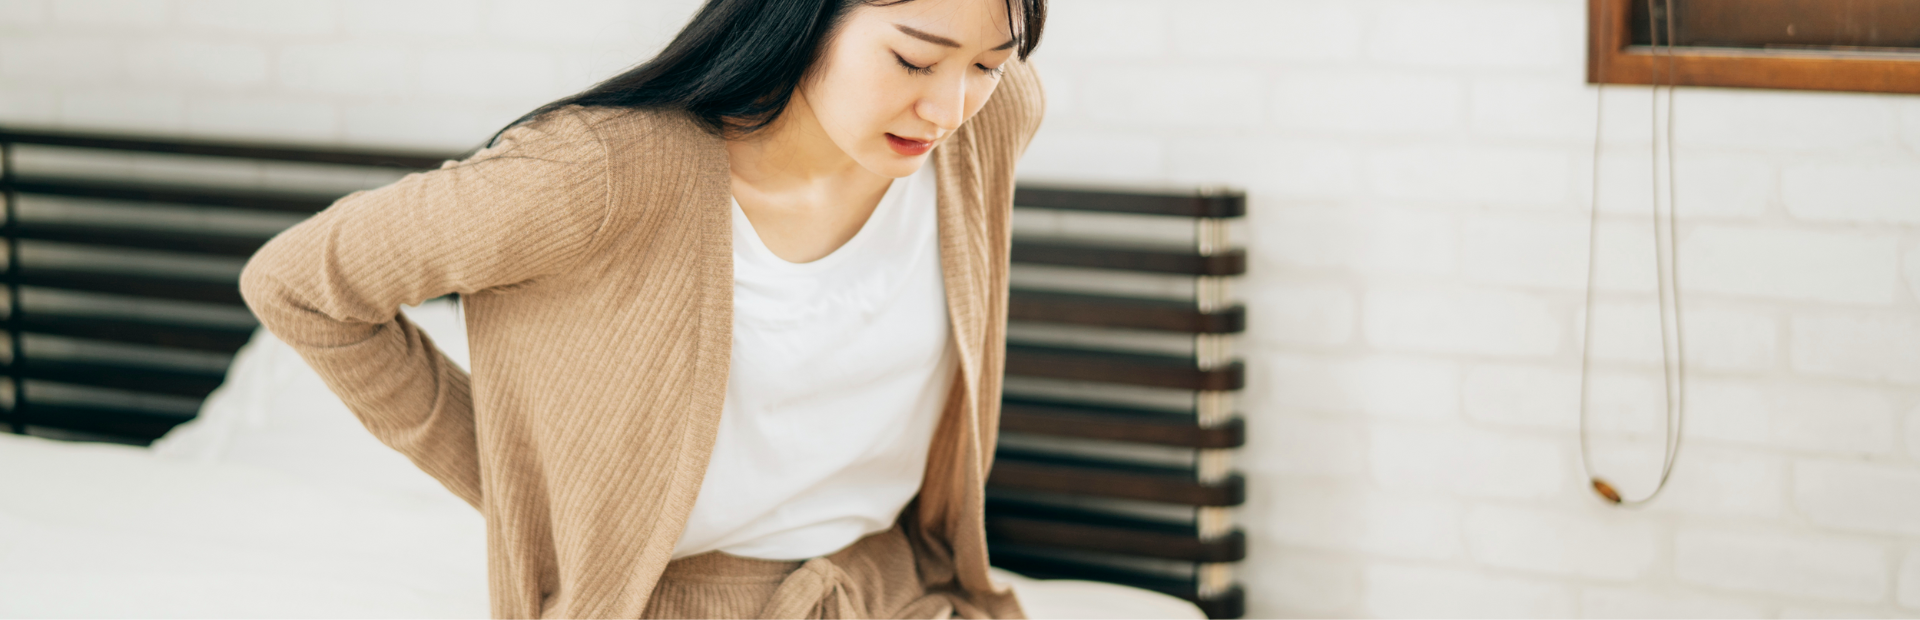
896, 193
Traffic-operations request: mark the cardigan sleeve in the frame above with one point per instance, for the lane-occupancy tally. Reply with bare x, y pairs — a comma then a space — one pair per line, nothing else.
331, 286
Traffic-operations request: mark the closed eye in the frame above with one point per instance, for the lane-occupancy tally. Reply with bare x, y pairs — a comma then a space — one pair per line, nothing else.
919, 70
911, 68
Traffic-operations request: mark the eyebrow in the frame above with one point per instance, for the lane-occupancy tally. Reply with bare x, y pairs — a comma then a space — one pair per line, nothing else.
940, 40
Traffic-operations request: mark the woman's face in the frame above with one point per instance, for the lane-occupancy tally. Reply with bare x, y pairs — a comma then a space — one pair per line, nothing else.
898, 80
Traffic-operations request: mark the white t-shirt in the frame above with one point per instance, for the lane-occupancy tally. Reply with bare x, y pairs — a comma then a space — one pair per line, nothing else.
839, 373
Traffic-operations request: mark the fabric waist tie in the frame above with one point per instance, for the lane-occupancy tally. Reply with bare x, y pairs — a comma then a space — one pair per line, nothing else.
875, 577
818, 589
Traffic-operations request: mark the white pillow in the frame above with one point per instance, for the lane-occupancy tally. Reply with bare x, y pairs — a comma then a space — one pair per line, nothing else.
273, 411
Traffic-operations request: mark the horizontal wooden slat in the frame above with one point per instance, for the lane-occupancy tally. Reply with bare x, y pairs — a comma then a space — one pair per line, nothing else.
1096, 256
378, 158
222, 244
1079, 514
139, 424
258, 200
1116, 424
172, 381
1123, 312
1037, 564
1047, 526
1149, 203
220, 338
1231, 548
1027, 471
1125, 368
133, 285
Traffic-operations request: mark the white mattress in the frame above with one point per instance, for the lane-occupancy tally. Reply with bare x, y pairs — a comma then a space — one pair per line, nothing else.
98, 530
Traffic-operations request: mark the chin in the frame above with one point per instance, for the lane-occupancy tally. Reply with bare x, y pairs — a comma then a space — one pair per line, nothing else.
894, 165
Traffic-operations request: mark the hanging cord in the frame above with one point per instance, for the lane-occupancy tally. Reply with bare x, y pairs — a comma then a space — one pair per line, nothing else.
1673, 367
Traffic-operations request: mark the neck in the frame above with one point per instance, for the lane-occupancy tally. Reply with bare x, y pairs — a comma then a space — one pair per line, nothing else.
794, 153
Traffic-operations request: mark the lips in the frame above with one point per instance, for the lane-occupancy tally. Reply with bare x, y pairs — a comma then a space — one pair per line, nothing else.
907, 146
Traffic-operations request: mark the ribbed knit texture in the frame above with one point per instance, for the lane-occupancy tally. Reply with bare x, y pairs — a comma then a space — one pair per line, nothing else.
592, 252
872, 578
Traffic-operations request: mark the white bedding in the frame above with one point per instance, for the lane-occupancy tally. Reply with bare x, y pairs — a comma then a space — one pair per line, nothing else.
101, 530
275, 503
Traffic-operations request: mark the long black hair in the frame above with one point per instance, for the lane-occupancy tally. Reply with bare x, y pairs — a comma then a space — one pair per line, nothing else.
736, 64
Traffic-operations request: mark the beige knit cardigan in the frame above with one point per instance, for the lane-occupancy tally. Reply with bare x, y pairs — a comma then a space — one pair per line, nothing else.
592, 251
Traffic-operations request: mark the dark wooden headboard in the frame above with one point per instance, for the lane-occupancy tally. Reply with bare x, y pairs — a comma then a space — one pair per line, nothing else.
171, 360
1115, 457
1114, 465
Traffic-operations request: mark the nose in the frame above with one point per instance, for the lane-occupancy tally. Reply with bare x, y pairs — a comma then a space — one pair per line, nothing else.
944, 104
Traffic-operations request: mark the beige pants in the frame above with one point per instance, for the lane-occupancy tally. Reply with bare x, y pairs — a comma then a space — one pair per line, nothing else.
872, 578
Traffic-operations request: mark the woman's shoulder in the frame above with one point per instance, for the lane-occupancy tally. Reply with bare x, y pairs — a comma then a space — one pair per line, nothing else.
594, 170
1024, 91
637, 131
599, 131
1018, 103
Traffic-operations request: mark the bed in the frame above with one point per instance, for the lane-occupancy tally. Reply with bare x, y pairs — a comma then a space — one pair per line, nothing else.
274, 502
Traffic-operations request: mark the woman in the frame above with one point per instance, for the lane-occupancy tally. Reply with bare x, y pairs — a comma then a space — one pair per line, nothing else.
736, 317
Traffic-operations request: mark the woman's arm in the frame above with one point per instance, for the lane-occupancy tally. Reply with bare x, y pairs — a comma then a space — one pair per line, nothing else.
331, 287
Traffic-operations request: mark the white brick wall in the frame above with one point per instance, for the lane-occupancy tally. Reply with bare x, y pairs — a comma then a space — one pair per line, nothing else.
1446, 459
1344, 102
1866, 347
1418, 217
1720, 482
1311, 581
1325, 516
1781, 562
1532, 251
1604, 602
1610, 547
1731, 339
1528, 396
1858, 496
130, 14
1910, 580
272, 18
1789, 264
1863, 190
420, 73
1478, 175
1912, 268
1418, 174
1780, 122
1428, 591
1469, 35
1311, 446
1317, 31
1425, 389
1461, 320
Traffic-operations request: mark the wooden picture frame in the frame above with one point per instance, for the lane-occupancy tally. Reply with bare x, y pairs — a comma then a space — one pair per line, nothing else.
1612, 58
